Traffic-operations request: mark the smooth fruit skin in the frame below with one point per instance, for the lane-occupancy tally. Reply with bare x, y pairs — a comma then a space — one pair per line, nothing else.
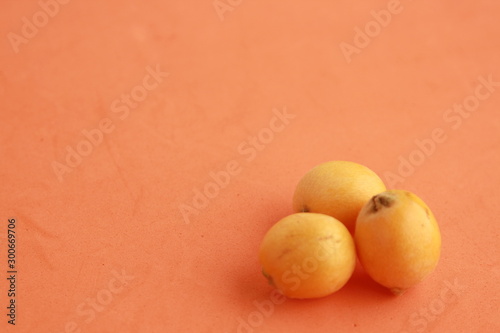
307, 255
397, 239
337, 188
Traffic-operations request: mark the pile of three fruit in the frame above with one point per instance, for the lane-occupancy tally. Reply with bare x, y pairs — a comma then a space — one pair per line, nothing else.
312, 254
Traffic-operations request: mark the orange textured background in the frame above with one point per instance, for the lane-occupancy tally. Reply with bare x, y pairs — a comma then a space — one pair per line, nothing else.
119, 211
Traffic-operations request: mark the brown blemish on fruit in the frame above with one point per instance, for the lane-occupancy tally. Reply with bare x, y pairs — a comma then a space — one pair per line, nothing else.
305, 209
285, 251
379, 201
269, 278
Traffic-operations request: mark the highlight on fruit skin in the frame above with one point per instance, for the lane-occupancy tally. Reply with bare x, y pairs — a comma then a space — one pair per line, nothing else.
307, 255
397, 238
337, 188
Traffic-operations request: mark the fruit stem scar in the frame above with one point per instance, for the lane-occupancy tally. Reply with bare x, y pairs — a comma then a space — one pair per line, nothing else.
305, 209
380, 200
